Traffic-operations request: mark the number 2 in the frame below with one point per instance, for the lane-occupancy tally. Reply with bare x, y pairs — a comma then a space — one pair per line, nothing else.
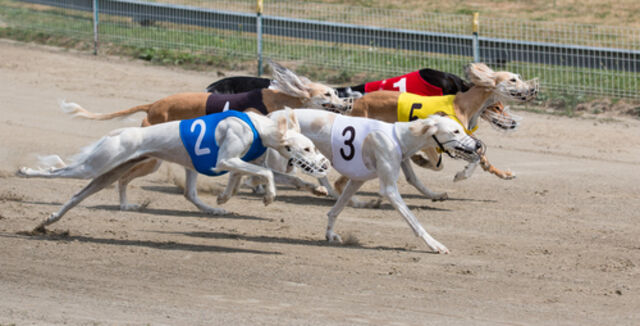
203, 128
349, 143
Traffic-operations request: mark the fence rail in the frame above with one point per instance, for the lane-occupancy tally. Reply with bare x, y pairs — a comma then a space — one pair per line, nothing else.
592, 69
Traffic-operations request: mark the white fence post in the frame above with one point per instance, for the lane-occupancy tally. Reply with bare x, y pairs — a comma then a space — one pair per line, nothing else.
476, 50
259, 35
95, 27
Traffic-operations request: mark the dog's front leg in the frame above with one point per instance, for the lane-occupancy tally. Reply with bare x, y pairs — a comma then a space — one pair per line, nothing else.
466, 172
389, 189
343, 200
387, 170
191, 193
238, 165
412, 179
231, 189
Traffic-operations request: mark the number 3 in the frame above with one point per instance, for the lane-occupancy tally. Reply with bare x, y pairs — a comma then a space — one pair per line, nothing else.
349, 143
203, 128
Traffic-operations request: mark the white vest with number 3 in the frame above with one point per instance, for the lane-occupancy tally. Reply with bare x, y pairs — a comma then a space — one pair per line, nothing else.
347, 137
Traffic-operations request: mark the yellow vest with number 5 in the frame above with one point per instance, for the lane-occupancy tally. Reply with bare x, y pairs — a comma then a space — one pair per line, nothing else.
412, 107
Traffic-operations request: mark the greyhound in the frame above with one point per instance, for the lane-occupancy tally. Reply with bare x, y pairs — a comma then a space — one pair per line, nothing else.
213, 144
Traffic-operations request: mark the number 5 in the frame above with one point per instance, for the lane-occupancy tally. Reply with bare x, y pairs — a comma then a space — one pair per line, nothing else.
203, 128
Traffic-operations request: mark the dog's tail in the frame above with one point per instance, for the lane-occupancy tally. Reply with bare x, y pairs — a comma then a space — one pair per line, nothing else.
78, 111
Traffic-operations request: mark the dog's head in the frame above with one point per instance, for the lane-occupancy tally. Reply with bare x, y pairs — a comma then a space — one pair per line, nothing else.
313, 95
450, 137
296, 147
500, 117
503, 84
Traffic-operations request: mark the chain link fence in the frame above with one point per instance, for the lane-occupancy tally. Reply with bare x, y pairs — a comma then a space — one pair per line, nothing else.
569, 59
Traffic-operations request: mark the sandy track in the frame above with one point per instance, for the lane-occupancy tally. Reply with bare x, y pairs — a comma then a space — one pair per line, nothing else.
558, 245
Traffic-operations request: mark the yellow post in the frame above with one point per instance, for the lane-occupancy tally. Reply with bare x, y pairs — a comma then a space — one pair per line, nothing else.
476, 22
259, 7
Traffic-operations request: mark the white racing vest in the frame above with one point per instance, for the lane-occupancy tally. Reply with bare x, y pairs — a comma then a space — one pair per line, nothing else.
347, 137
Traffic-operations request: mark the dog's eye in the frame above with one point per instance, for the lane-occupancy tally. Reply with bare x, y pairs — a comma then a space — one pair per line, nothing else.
288, 148
327, 94
456, 132
513, 80
308, 149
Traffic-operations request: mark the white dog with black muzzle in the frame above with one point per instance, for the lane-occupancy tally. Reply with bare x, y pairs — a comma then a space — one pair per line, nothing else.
363, 149
212, 145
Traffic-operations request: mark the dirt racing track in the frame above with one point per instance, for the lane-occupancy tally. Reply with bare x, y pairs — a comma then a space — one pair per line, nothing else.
558, 245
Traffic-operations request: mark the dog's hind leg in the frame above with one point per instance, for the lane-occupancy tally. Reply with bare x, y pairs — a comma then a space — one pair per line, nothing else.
355, 202
349, 190
140, 170
412, 179
94, 186
191, 193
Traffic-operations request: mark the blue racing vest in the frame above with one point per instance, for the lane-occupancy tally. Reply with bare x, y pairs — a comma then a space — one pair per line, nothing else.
199, 139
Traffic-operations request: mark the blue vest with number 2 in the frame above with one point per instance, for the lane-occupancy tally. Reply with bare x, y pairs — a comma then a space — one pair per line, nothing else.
199, 139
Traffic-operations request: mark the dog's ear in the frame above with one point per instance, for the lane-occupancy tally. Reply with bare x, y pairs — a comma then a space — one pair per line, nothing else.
427, 127
282, 126
291, 117
480, 75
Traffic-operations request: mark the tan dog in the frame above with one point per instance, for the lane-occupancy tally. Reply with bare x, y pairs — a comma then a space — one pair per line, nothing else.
287, 89
488, 87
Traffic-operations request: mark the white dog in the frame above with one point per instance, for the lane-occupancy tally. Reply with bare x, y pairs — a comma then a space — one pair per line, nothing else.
363, 149
211, 144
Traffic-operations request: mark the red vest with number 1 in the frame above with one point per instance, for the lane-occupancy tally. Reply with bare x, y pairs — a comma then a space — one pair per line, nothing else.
411, 82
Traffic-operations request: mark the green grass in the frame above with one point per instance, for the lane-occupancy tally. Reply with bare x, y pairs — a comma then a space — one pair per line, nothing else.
201, 48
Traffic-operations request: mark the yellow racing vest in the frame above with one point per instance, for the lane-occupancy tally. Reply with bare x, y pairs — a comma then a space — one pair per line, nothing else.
412, 107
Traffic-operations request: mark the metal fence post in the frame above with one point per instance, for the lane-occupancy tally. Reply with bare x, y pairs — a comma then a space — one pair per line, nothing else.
259, 34
476, 50
95, 27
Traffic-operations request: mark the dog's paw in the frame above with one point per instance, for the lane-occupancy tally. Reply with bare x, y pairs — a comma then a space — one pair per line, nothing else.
460, 176
333, 237
222, 198
268, 199
439, 196
130, 207
320, 191
508, 175
436, 246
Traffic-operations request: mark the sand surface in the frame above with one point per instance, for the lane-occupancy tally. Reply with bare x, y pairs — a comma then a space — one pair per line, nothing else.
559, 245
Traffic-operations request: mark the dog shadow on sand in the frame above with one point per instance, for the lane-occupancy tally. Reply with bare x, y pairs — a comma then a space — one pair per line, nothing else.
349, 242
66, 236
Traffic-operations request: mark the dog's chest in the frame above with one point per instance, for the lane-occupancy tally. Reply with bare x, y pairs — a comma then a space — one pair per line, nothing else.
198, 138
348, 135
217, 103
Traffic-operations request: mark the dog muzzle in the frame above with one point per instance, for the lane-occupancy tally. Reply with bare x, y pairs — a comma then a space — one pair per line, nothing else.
317, 168
505, 121
467, 148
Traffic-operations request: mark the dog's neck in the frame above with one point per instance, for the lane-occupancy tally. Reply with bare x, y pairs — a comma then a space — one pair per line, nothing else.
468, 104
267, 129
276, 100
410, 143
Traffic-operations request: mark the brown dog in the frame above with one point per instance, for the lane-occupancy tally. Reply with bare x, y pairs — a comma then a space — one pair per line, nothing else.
287, 89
